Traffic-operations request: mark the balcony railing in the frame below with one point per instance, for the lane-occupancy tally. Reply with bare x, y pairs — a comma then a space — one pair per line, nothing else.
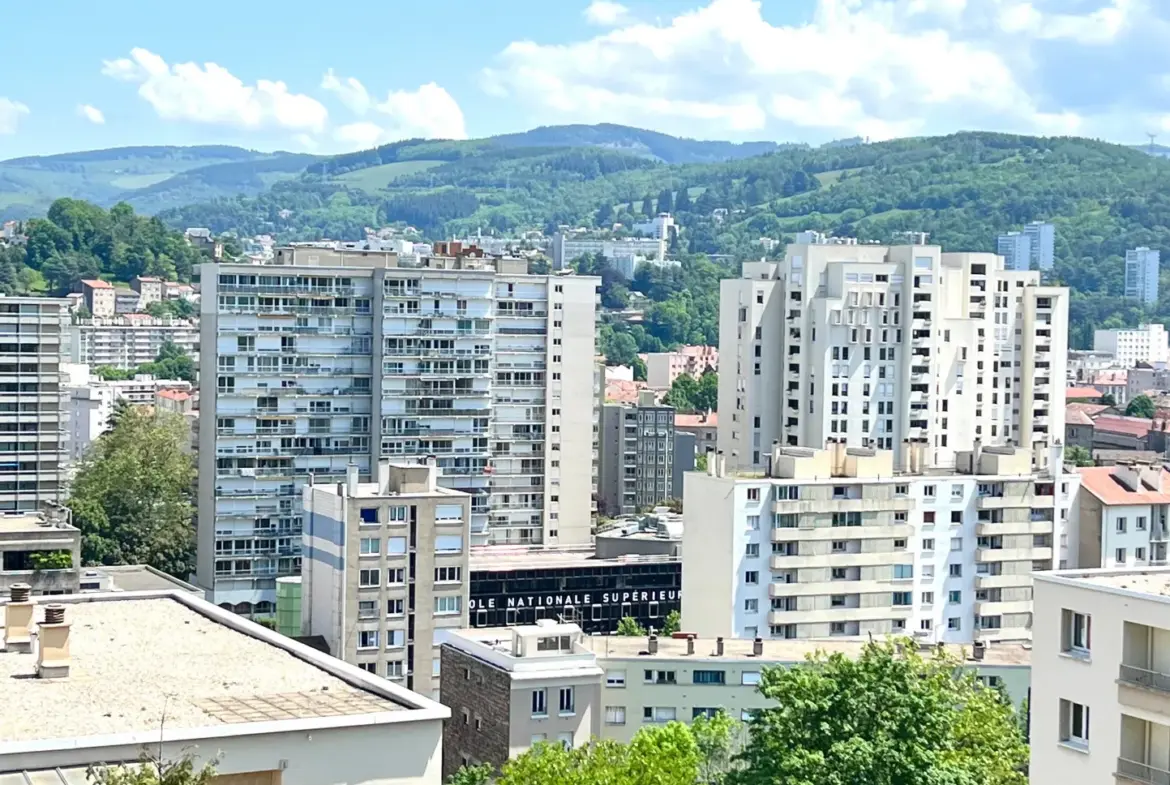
1131, 674
1142, 772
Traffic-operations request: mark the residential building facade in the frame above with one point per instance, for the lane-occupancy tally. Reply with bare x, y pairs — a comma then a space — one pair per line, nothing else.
385, 567
99, 298
521, 685
92, 401
1120, 519
127, 342
568, 247
34, 414
1100, 704
1141, 274
1147, 344
327, 357
636, 456
844, 542
662, 368
41, 551
889, 346
1032, 249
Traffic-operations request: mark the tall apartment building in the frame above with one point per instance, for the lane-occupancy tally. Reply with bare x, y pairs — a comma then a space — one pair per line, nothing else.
1142, 266
33, 402
844, 542
126, 342
886, 346
1100, 703
326, 357
1147, 344
1031, 249
386, 564
636, 456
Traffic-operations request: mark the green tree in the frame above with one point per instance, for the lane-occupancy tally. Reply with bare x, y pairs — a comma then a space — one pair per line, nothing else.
111, 374
664, 755
672, 624
628, 627
118, 411
683, 394
154, 771
666, 201
719, 739
639, 369
888, 716
472, 775
131, 497
1141, 406
1108, 399
682, 201
171, 363
707, 395
1078, 456
647, 206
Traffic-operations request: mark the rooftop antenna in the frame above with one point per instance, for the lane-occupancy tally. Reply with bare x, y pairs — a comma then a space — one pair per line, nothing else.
1152, 138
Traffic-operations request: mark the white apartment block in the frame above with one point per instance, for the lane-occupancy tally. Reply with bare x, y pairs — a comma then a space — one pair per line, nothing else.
126, 342
1100, 704
842, 542
1147, 344
1120, 519
326, 357
385, 566
91, 402
885, 346
33, 402
568, 247
1032, 249
1142, 266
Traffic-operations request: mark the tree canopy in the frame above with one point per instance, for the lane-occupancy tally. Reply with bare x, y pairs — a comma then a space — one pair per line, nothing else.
171, 362
666, 755
890, 716
1141, 406
132, 496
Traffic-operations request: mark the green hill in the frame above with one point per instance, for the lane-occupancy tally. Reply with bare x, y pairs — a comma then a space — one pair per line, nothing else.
963, 189
150, 178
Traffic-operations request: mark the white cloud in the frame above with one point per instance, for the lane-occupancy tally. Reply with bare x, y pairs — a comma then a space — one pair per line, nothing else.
91, 113
209, 93
878, 68
11, 113
349, 91
428, 112
606, 13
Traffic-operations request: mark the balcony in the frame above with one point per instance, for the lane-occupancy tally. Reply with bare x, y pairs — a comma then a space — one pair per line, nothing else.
1002, 581
990, 529
840, 505
1012, 554
1140, 677
1142, 750
1141, 772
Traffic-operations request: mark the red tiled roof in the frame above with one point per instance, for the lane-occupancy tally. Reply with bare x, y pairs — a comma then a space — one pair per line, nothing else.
1091, 409
1130, 426
98, 284
1073, 393
1111, 378
1076, 417
1099, 481
621, 391
710, 420
174, 395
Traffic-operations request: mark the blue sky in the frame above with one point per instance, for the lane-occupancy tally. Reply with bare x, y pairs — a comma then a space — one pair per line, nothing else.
354, 73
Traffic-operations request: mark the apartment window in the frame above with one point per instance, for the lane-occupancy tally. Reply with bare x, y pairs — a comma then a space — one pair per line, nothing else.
615, 678
956, 516
928, 598
395, 546
753, 522
567, 702
1139, 554
954, 624
956, 492
1141, 523
658, 713
989, 622
540, 703
1074, 723
955, 570
751, 605
395, 639
367, 639
900, 490
537, 738
448, 574
749, 678
903, 598
956, 543
447, 604
369, 667
903, 571
369, 514
1075, 633
394, 607
753, 494
751, 577
1121, 525
370, 546
709, 677
928, 491
368, 578
1119, 555
925, 625
658, 677
955, 597
367, 609
395, 575
928, 544
615, 715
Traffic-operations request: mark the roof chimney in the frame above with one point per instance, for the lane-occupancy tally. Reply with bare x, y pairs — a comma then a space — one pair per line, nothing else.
53, 644
978, 649
351, 479
719, 647
652, 645
758, 647
690, 644
18, 618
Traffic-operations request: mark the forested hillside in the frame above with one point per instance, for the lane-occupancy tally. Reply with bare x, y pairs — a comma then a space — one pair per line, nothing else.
79, 240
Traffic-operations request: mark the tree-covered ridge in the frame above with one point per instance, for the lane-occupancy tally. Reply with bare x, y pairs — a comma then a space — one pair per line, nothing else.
79, 240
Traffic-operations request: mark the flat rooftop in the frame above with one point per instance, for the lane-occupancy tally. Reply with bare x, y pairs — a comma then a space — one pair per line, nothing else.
1155, 582
485, 558
1003, 654
139, 662
32, 524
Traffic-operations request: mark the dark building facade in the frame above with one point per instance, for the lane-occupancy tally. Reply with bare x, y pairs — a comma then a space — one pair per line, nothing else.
592, 593
474, 737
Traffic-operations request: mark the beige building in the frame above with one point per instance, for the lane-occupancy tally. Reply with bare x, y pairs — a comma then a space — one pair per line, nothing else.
498, 683
165, 671
99, 297
882, 347
1100, 701
385, 565
149, 289
326, 357
34, 413
41, 551
846, 542
662, 368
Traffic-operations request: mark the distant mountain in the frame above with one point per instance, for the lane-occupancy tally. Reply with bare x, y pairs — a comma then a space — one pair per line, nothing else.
662, 147
150, 178
1157, 150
